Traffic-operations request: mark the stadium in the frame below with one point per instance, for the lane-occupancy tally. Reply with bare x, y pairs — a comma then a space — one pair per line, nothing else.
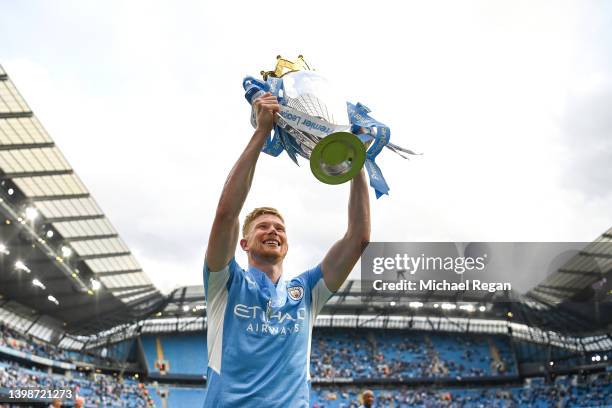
79, 314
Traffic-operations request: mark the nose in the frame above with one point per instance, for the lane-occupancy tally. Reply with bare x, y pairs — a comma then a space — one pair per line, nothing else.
272, 230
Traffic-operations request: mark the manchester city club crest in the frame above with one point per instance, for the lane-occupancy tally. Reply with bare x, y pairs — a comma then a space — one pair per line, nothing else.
295, 292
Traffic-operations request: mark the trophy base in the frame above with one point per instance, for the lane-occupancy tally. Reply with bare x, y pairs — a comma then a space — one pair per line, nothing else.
337, 158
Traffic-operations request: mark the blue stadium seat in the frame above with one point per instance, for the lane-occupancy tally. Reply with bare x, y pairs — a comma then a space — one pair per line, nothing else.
185, 353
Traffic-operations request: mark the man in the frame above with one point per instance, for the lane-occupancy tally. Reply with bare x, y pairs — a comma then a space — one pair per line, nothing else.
79, 402
259, 324
368, 399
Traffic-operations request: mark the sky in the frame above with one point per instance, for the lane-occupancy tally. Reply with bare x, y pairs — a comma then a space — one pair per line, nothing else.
509, 102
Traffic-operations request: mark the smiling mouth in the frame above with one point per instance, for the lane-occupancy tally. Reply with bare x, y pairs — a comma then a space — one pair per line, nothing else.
272, 243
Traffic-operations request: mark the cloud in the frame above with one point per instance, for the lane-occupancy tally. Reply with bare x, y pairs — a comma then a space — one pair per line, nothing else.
587, 130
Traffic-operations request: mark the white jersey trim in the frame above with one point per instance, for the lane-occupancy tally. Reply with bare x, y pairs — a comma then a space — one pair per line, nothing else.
215, 311
320, 295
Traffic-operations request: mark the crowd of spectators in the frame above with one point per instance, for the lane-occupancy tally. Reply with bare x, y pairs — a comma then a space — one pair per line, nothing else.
96, 389
344, 354
565, 392
399, 355
29, 344
348, 354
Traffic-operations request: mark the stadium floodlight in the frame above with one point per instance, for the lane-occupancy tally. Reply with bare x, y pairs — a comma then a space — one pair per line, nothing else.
38, 283
467, 308
509, 314
95, 284
392, 303
66, 251
482, 308
52, 298
597, 357
436, 305
448, 306
4, 250
552, 363
415, 305
50, 234
199, 307
31, 213
10, 191
20, 266
185, 308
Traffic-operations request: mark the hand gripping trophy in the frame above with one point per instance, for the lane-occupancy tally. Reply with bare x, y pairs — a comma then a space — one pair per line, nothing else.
337, 137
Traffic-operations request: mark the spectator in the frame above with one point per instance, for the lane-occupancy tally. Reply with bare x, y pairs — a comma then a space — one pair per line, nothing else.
368, 399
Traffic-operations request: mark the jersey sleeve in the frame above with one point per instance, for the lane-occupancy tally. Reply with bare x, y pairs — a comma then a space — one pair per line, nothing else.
216, 281
216, 291
319, 292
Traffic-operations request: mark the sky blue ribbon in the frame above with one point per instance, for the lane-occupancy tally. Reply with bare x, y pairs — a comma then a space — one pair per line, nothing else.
280, 141
254, 88
380, 134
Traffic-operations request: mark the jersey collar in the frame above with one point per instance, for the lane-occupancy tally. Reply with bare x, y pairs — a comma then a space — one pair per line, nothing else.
276, 293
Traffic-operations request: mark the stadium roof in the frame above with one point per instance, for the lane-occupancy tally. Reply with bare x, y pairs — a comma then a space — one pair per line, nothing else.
582, 277
60, 254
581, 289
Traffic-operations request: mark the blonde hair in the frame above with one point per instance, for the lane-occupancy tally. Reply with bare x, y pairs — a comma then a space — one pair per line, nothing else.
248, 220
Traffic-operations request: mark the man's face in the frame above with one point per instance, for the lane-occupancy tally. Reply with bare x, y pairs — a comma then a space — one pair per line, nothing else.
368, 399
266, 238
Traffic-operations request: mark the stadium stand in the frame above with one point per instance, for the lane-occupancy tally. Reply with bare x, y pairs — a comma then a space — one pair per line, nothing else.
363, 354
97, 390
593, 391
177, 396
182, 354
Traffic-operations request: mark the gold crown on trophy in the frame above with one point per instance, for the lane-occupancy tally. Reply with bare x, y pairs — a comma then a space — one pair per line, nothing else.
285, 66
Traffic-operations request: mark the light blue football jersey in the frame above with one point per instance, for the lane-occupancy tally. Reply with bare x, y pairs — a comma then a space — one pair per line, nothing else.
259, 336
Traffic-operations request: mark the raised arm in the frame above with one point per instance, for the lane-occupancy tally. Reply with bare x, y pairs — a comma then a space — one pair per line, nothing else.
345, 253
225, 230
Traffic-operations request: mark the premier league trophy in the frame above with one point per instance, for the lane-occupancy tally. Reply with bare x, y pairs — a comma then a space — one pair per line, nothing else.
337, 137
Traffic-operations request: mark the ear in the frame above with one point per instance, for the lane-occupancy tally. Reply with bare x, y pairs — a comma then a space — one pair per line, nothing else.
243, 245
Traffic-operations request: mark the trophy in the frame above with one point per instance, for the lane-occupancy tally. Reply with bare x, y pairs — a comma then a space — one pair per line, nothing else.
337, 137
